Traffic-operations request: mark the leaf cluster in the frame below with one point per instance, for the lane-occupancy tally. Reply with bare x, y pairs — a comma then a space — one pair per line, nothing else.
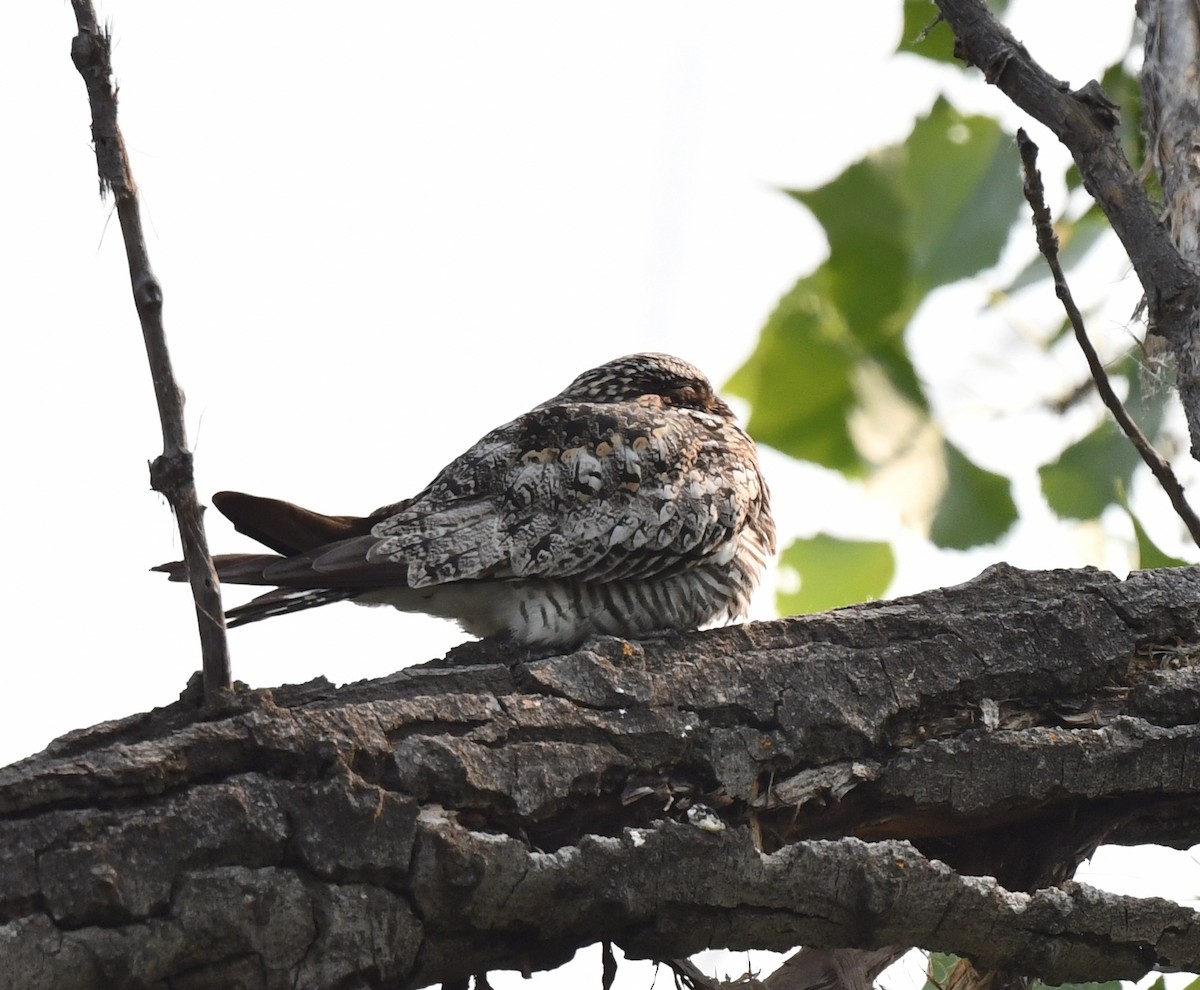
832, 379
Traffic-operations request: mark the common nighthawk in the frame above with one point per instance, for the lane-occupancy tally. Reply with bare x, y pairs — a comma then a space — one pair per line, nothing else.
629, 504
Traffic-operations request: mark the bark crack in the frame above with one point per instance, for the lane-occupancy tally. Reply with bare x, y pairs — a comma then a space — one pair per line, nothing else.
749, 787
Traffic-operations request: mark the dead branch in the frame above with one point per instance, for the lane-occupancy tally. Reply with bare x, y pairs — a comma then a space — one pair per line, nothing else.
1047, 242
170, 472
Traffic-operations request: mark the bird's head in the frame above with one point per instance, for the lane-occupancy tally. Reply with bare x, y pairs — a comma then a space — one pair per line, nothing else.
628, 378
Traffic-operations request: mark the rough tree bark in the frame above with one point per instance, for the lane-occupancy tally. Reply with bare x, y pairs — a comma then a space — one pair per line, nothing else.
1171, 119
926, 771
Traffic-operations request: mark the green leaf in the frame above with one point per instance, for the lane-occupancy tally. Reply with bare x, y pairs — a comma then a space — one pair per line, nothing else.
1124, 89
835, 572
1149, 555
937, 972
941, 964
913, 217
1083, 481
798, 380
865, 218
925, 35
1088, 475
964, 175
900, 223
976, 508
1075, 239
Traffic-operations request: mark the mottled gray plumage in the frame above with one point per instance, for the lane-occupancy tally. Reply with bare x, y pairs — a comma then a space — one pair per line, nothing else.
630, 503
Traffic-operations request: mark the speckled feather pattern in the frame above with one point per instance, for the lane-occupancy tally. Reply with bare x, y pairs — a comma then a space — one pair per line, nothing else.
628, 504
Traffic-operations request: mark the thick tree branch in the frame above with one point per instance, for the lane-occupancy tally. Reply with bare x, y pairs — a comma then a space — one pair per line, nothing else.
1171, 117
1084, 120
831, 780
1171, 98
171, 472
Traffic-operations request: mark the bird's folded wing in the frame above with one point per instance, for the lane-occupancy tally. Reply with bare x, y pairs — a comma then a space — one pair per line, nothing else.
615, 535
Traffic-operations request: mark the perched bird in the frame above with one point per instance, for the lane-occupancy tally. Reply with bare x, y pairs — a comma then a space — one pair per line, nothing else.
629, 504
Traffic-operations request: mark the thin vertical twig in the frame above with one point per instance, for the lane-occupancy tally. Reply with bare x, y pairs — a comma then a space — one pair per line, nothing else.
170, 472
1085, 120
1047, 242
608, 967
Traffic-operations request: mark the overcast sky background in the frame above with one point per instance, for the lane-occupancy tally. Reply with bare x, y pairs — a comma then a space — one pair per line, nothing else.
383, 229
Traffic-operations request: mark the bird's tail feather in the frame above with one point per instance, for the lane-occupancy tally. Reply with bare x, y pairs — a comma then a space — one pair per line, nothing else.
282, 601
232, 568
292, 532
286, 528
247, 568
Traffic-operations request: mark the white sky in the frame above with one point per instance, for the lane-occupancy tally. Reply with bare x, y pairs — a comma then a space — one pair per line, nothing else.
382, 229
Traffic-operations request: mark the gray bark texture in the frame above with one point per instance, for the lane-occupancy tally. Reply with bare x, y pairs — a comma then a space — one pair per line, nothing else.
927, 771
1171, 120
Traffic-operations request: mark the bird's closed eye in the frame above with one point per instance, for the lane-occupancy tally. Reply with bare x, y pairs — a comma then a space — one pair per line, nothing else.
686, 395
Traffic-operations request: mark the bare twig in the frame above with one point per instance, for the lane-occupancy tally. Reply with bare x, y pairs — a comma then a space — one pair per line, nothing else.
1084, 120
833, 969
806, 969
171, 472
1047, 242
692, 977
608, 968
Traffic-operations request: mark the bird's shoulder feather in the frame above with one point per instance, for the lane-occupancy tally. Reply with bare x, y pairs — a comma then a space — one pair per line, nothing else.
577, 489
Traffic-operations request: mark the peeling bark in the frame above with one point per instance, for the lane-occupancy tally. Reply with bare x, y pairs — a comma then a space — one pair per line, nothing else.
851, 779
